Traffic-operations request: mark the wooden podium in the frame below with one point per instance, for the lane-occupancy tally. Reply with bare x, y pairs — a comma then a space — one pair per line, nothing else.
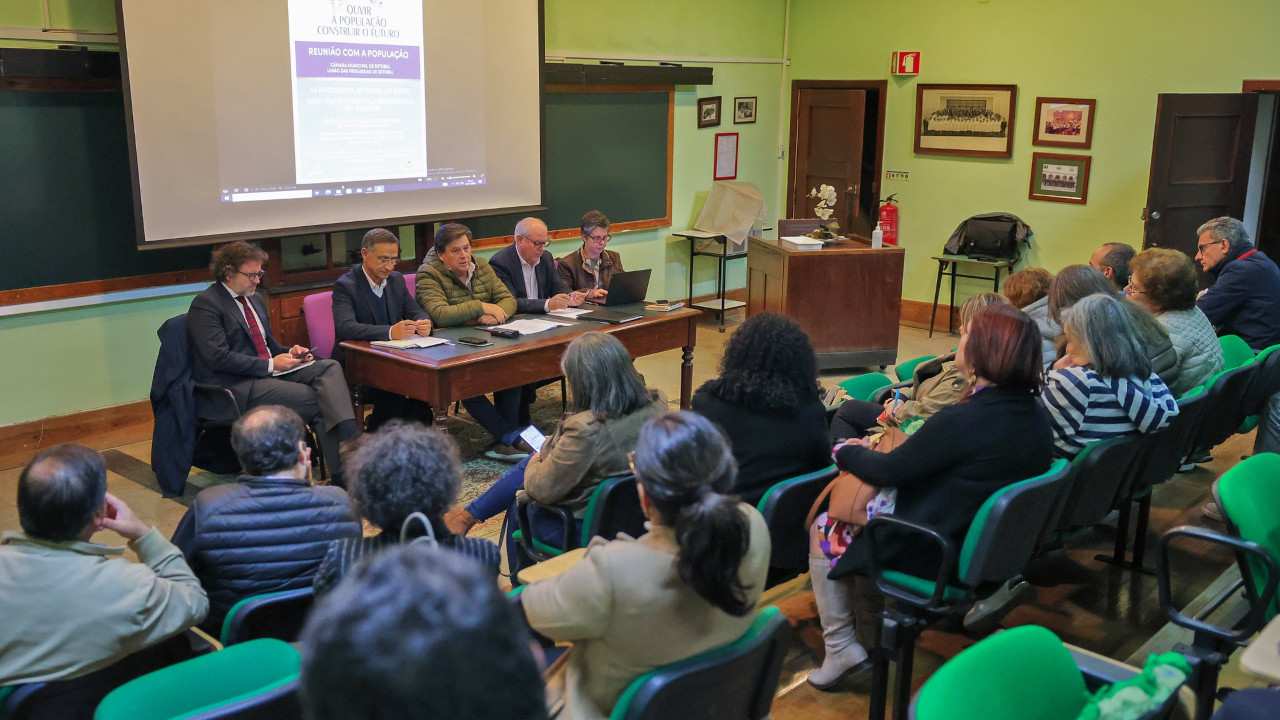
846, 296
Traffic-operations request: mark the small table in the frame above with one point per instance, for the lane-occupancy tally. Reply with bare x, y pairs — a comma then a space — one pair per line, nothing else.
722, 255
444, 373
951, 263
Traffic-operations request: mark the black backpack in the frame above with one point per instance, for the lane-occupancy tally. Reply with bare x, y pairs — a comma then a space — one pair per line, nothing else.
997, 236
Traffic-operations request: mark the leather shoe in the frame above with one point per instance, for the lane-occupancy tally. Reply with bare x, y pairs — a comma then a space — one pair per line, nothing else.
1213, 511
507, 453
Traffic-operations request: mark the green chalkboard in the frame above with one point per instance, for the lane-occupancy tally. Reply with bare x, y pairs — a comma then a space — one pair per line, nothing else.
66, 199
605, 151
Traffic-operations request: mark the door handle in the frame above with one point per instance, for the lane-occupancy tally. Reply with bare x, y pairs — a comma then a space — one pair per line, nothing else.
1154, 215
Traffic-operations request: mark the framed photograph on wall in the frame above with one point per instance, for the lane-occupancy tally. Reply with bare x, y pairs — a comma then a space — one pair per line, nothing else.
969, 120
1064, 122
744, 110
1059, 178
708, 112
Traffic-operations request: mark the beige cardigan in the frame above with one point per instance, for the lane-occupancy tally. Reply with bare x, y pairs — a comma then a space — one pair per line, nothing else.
626, 611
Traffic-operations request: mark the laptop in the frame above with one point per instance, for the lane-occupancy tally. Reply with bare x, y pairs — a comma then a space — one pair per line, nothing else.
628, 287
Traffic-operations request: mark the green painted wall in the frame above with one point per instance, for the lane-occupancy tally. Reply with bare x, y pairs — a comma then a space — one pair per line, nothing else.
1121, 53
95, 357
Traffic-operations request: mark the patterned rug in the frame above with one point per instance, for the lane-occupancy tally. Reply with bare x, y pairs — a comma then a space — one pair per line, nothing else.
478, 472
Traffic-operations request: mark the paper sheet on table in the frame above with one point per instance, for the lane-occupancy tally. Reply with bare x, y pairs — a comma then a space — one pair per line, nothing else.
570, 312
417, 341
528, 326
295, 368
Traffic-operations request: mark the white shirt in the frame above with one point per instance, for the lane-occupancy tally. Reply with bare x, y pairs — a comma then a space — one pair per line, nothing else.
271, 362
531, 288
377, 288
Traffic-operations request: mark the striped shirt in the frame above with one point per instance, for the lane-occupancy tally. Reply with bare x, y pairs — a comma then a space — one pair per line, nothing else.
344, 553
1085, 407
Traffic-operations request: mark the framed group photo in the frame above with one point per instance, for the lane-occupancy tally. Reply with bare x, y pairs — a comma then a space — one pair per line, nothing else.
969, 120
1064, 122
709, 112
1059, 178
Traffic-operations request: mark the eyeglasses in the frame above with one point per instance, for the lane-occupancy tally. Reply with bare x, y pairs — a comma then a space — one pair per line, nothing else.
253, 276
600, 238
387, 260
1131, 290
631, 462
539, 245
1200, 248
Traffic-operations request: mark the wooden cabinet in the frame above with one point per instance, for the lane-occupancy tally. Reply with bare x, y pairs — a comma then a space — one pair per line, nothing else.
847, 297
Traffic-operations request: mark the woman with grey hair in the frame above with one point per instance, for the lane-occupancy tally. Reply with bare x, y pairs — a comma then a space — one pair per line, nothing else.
608, 404
1103, 386
402, 469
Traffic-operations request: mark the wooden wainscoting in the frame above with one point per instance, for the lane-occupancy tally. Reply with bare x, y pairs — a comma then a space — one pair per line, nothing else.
915, 313
99, 429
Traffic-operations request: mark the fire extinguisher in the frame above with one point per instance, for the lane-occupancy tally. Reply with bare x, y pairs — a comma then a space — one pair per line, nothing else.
889, 219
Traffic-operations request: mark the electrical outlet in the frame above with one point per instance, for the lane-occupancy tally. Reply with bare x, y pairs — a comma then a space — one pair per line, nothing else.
898, 175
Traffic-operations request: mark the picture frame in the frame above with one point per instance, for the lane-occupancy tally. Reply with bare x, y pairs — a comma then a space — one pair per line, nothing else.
709, 112
726, 157
1059, 178
966, 120
744, 110
1064, 122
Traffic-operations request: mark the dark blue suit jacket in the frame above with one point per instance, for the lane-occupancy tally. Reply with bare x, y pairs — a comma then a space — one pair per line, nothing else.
506, 263
353, 308
220, 343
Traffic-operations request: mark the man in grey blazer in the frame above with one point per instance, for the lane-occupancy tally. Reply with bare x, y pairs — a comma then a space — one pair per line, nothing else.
371, 302
232, 346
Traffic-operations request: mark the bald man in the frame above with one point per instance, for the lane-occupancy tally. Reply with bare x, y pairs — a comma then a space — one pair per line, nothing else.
1112, 260
529, 271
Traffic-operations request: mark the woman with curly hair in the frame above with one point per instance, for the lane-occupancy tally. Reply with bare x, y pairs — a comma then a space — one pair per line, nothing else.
1028, 290
402, 469
1163, 282
766, 401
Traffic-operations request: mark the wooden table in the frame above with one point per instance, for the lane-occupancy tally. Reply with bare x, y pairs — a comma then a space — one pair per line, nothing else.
951, 262
445, 373
846, 297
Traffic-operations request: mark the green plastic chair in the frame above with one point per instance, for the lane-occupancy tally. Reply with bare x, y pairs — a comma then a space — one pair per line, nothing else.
1021, 674
614, 507
784, 507
735, 681
906, 370
864, 387
1249, 495
251, 674
278, 615
1265, 384
1235, 351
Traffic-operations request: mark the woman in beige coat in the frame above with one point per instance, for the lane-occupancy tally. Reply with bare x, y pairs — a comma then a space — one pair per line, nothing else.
688, 585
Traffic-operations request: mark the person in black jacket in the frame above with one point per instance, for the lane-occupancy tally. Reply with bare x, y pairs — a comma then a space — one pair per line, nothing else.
998, 434
268, 531
766, 401
371, 302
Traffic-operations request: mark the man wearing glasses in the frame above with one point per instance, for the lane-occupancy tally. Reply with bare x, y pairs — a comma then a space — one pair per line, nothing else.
529, 271
371, 302
233, 347
1244, 299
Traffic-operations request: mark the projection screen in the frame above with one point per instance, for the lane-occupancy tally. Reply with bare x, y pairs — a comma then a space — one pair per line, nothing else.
259, 118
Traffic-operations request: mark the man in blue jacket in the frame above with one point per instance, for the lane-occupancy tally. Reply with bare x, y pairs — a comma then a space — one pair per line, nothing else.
371, 302
1245, 297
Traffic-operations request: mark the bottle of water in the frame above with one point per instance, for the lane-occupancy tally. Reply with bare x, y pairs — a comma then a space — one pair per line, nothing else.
877, 238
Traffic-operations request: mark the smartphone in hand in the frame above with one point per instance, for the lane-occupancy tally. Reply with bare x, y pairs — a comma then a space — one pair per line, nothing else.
534, 437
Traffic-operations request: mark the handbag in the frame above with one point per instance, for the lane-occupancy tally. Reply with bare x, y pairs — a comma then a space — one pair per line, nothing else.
850, 494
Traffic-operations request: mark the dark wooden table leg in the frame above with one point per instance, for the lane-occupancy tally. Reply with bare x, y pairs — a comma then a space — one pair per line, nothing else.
686, 377
937, 288
357, 404
951, 314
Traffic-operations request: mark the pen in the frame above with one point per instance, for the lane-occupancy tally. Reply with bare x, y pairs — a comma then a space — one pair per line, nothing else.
897, 393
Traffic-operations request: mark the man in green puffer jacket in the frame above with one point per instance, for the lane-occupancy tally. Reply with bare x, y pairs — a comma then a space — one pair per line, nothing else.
458, 289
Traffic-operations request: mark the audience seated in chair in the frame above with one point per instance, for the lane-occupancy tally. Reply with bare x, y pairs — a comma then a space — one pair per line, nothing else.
1028, 290
1112, 260
371, 302
402, 469
1163, 282
71, 606
994, 436
608, 402
940, 384
688, 585
1074, 282
269, 530
418, 634
1104, 385
766, 400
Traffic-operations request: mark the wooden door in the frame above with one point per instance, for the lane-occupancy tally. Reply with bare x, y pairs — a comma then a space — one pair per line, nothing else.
1199, 165
827, 133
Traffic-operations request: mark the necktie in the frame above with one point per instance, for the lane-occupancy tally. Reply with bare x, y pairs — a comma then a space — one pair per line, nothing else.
255, 332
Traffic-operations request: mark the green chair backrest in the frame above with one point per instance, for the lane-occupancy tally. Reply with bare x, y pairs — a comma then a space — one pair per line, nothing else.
1021, 674
864, 387
203, 683
762, 625
829, 473
626, 509
906, 370
1009, 525
1249, 494
289, 608
1235, 351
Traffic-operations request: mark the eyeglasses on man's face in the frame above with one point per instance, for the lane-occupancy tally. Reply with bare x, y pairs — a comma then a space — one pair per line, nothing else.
1200, 248
253, 276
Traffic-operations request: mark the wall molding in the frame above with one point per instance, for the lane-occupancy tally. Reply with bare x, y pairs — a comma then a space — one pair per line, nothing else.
99, 429
915, 313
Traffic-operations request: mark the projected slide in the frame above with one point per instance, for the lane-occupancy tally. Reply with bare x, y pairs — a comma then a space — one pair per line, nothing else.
359, 103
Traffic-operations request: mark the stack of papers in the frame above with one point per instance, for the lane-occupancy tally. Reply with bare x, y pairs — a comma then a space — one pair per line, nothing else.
570, 312
417, 341
528, 326
800, 242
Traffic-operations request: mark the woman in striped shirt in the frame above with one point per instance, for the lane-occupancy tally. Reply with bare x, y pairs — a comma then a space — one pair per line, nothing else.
1103, 386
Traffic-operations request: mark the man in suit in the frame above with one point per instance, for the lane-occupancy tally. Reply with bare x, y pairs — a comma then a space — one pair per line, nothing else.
371, 303
529, 272
233, 347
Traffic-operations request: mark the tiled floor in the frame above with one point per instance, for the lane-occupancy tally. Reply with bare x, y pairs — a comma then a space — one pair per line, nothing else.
1108, 611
